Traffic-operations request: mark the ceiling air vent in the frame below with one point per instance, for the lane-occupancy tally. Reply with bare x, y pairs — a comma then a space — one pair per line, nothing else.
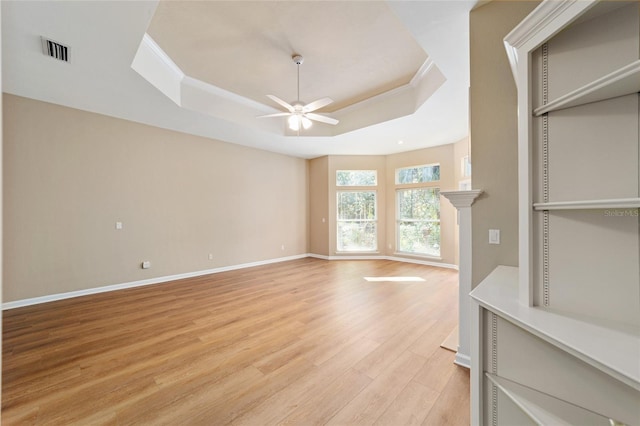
55, 50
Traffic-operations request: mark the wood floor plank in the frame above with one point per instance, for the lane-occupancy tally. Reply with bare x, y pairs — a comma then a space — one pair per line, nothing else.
199, 406
410, 407
322, 405
260, 390
301, 342
435, 374
452, 406
374, 400
283, 403
382, 357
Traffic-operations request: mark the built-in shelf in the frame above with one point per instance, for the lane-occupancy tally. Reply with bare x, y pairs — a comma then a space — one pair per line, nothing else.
610, 347
623, 81
544, 409
559, 335
618, 203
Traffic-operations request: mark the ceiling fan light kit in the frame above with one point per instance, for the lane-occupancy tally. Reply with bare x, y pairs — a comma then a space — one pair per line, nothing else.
301, 115
296, 120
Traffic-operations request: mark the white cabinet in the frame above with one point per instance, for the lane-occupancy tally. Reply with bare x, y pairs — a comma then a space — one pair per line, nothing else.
557, 340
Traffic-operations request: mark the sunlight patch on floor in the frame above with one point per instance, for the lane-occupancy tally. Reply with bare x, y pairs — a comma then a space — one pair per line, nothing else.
394, 279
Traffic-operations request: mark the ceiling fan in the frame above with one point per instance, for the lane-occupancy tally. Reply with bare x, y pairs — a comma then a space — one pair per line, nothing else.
300, 114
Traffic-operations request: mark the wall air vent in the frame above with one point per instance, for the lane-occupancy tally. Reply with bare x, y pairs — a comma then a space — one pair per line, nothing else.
55, 50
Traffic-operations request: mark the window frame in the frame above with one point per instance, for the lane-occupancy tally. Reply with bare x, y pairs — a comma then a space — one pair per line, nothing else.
399, 187
374, 220
430, 182
340, 189
374, 184
465, 167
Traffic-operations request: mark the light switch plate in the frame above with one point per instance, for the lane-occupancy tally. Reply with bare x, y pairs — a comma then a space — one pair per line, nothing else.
494, 236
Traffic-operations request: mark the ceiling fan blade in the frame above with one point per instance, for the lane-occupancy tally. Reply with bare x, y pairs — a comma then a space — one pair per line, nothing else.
317, 104
322, 118
278, 114
281, 102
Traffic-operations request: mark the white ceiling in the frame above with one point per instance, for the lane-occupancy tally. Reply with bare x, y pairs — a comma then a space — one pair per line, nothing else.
104, 37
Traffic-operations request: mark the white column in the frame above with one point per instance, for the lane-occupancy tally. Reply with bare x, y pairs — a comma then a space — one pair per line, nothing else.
462, 200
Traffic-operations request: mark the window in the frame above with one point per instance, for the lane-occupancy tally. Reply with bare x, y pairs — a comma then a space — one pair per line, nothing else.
418, 210
357, 222
465, 173
418, 221
356, 178
418, 174
465, 166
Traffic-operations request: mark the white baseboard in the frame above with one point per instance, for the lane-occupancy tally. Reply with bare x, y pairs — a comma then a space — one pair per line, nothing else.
394, 258
150, 281
318, 256
164, 279
358, 257
462, 360
423, 262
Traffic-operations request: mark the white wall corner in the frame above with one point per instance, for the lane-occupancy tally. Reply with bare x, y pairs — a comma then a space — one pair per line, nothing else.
155, 66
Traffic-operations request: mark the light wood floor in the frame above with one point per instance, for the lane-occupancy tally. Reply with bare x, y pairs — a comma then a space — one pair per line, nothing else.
301, 342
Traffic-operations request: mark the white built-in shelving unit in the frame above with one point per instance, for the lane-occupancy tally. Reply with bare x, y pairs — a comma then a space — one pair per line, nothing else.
557, 339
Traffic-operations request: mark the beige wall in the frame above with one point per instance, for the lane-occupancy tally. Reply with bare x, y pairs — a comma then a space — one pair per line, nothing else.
494, 135
70, 175
319, 206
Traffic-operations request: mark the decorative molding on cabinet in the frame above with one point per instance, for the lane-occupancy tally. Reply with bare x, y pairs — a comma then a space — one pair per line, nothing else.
541, 24
545, 258
494, 367
545, 175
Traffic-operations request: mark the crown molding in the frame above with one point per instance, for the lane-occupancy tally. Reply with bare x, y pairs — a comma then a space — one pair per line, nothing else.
542, 23
155, 66
421, 73
541, 17
153, 47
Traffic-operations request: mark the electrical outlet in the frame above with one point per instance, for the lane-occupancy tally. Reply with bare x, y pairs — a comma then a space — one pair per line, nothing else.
118, 225
210, 256
146, 264
282, 248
